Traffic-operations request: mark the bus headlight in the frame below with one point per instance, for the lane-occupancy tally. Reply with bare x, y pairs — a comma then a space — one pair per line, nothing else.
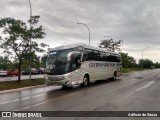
67, 75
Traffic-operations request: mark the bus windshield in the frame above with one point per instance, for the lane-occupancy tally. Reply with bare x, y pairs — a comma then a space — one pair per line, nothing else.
58, 63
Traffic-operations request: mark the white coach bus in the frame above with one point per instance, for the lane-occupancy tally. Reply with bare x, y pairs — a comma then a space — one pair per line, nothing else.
79, 64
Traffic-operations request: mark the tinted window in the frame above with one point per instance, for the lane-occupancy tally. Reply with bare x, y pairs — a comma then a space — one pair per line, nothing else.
95, 55
90, 54
87, 55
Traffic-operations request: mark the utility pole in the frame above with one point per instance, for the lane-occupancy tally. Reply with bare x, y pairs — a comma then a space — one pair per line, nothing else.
88, 30
142, 55
30, 42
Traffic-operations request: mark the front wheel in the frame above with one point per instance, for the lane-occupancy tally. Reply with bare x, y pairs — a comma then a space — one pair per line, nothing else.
85, 81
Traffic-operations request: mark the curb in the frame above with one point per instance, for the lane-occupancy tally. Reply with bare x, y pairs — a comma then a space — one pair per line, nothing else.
21, 89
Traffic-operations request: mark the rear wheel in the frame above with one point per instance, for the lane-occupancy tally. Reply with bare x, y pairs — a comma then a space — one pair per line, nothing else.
114, 76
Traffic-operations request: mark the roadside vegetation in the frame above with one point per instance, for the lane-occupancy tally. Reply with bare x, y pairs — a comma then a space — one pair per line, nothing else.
129, 64
24, 83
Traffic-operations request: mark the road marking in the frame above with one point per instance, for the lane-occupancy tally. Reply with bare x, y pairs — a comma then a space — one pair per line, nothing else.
52, 100
149, 84
140, 80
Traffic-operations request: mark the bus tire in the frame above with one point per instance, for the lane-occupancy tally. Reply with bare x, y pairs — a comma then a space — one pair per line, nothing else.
85, 81
114, 76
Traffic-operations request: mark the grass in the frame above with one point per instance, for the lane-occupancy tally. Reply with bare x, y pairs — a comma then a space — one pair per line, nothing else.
126, 70
24, 83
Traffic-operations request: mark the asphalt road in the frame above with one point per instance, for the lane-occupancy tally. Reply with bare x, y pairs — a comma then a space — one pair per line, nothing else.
23, 77
135, 91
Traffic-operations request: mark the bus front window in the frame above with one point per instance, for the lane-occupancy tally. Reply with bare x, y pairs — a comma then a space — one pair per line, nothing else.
57, 63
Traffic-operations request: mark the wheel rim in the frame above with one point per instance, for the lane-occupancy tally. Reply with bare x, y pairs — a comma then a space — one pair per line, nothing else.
85, 81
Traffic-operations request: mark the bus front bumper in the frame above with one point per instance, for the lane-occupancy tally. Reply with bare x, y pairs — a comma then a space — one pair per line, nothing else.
54, 81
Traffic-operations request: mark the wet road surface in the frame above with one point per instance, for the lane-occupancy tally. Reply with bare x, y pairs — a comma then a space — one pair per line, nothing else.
135, 91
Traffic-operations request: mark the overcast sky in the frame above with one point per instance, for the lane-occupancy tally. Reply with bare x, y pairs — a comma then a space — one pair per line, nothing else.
136, 22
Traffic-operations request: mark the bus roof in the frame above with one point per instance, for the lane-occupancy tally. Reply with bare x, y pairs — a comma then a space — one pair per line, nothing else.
82, 45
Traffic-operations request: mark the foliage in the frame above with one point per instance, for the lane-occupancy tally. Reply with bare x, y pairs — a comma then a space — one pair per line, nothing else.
157, 65
5, 63
111, 45
128, 61
43, 61
145, 63
35, 61
16, 38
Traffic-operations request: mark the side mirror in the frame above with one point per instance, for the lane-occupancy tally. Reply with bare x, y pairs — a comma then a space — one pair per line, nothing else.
71, 54
78, 60
75, 60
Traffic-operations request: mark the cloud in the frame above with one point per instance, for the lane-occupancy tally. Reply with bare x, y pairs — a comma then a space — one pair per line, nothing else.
135, 22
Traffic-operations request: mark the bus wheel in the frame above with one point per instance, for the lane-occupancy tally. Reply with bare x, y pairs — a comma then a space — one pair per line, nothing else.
114, 76
85, 81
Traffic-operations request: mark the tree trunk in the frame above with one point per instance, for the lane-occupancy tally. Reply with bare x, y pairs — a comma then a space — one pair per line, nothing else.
19, 69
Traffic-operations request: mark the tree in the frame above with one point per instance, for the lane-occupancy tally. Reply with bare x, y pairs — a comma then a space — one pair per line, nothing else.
16, 38
157, 65
35, 61
145, 63
111, 45
128, 61
5, 63
43, 60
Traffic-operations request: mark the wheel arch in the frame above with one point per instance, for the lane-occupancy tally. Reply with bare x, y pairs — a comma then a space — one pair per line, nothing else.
115, 73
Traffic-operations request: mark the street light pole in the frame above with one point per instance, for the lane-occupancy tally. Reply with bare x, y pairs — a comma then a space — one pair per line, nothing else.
30, 37
88, 30
142, 54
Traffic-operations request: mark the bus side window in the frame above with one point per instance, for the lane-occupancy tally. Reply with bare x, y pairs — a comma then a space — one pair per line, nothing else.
112, 58
87, 55
101, 56
95, 55
107, 57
